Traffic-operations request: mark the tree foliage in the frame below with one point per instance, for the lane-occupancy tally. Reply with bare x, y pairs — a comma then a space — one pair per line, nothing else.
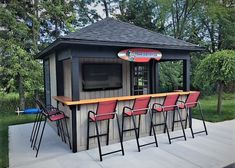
217, 68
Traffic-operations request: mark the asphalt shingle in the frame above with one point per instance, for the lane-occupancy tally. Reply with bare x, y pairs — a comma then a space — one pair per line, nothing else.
112, 30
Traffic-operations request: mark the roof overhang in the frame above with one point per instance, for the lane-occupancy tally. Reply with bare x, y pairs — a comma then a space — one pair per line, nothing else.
62, 41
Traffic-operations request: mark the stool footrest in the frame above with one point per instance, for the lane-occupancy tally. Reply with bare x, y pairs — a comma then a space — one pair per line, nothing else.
130, 129
199, 132
111, 152
177, 137
158, 124
94, 136
148, 144
179, 120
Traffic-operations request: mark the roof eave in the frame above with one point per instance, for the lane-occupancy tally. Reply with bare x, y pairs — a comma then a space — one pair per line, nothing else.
117, 44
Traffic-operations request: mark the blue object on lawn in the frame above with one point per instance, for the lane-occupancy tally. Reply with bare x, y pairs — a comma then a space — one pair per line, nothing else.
31, 111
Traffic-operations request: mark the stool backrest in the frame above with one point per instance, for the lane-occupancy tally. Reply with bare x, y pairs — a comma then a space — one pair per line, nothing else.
106, 110
192, 99
141, 105
43, 108
170, 102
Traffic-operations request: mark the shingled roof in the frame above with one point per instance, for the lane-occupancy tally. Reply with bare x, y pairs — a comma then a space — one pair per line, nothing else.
112, 32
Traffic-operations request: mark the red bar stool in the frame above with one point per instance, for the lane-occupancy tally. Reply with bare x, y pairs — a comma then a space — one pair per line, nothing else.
169, 104
105, 111
51, 110
191, 101
53, 115
140, 107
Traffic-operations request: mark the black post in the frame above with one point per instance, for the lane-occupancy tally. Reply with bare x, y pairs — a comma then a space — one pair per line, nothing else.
186, 74
157, 77
152, 76
59, 77
75, 77
74, 128
186, 81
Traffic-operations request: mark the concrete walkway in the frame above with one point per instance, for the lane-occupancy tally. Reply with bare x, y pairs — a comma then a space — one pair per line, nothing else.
213, 151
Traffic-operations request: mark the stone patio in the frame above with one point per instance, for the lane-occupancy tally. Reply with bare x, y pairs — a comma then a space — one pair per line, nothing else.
213, 151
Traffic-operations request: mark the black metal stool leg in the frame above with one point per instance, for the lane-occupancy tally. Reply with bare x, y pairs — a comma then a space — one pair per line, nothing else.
88, 133
107, 140
204, 124
62, 131
186, 120
98, 139
34, 125
67, 130
36, 129
123, 118
173, 122
136, 133
36, 133
165, 121
139, 126
119, 133
154, 132
177, 109
190, 121
165, 124
151, 123
40, 140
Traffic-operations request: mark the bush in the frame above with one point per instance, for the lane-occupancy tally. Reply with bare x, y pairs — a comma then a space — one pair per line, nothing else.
10, 102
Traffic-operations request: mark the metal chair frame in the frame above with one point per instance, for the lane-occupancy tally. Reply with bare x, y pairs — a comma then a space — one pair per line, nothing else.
137, 129
164, 111
98, 135
44, 115
187, 109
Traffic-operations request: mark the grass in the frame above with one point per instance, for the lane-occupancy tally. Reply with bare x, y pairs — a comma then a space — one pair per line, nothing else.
209, 105
7, 119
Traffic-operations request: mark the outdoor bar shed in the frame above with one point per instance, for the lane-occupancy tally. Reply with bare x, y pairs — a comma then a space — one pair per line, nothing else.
99, 62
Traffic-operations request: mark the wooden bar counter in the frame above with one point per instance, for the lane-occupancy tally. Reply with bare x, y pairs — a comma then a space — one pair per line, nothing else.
83, 106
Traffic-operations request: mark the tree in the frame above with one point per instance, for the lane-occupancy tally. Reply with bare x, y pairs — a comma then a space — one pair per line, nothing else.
217, 68
18, 43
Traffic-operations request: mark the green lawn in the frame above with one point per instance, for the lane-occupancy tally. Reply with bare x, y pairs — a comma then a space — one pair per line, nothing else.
208, 106
7, 119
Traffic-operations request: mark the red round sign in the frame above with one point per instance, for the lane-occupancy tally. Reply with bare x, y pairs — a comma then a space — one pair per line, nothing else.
139, 54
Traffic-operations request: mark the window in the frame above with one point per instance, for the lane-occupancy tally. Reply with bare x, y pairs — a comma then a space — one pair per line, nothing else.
140, 79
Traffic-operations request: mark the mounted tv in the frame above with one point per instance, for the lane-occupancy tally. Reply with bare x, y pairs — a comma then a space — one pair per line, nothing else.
101, 76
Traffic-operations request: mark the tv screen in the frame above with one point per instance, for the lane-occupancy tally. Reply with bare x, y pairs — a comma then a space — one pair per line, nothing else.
102, 76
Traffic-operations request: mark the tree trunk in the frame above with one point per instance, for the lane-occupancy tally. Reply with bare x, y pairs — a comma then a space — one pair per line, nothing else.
220, 92
21, 92
106, 8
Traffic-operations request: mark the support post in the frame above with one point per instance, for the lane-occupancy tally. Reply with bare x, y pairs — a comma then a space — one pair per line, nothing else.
59, 77
186, 80
157, 77
186, 74
74, 128
152, 76
75, 77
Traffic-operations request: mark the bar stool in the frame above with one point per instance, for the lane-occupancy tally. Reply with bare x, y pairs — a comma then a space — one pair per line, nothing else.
140, 107
105, 111
51, 110
191, 101
169, 104
53, 115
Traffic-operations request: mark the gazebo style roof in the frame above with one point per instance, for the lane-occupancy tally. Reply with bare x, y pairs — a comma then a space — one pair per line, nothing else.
111, 32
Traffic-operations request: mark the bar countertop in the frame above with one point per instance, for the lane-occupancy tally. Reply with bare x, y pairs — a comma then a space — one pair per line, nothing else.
68, 101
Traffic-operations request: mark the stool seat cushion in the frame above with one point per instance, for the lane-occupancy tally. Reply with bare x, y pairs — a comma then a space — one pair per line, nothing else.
57, 117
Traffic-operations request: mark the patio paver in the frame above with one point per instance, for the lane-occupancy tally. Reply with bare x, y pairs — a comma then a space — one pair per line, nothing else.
215, 150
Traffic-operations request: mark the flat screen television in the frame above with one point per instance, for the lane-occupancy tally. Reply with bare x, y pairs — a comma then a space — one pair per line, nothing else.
101, 76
